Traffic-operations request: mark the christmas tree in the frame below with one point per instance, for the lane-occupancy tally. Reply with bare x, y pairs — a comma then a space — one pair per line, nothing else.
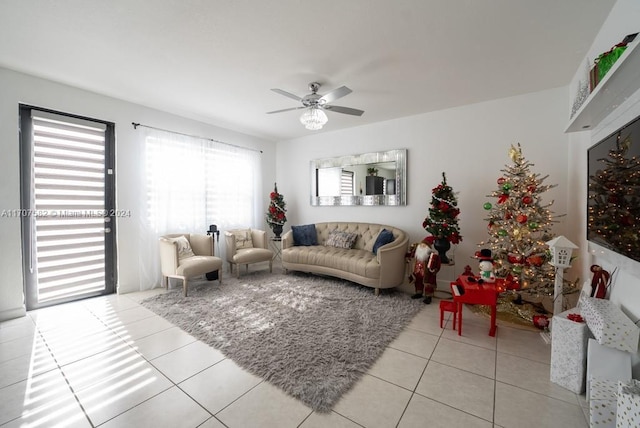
442, 221
614, 200
276, 216
519, 227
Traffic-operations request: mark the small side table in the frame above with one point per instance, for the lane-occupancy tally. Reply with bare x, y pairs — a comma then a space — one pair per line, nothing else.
276, 246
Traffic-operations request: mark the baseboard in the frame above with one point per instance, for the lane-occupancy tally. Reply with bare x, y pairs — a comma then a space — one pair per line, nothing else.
10, 314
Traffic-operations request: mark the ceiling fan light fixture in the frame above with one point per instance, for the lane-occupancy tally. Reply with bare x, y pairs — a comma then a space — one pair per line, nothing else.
313, 118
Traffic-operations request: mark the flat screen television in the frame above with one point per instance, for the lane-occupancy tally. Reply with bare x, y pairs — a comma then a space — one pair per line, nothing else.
613, 204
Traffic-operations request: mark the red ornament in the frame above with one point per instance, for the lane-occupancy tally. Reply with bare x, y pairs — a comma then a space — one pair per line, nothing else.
501, 180
514, 259
502, 199
531, 188
541, 321
527, 200
521, 218
507, 215
535, 260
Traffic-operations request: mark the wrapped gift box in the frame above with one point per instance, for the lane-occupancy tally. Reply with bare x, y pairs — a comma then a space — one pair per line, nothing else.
628, 406
569, 352
609, 325
603, 403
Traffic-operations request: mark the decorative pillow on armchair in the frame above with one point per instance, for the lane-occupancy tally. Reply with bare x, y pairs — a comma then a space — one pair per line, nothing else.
304, 235
384, 237
341, 239
184, 247
243, 238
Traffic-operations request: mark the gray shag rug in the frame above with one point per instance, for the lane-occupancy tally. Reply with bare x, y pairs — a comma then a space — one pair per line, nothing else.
311, 336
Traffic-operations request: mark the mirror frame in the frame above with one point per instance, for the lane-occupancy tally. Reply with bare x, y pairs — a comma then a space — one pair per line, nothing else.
399, 156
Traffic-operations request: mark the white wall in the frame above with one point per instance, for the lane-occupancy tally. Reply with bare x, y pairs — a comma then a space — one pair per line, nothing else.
469, 143
625, 289
20, 88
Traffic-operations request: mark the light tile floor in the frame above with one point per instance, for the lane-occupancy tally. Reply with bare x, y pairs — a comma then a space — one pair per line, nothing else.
109, 362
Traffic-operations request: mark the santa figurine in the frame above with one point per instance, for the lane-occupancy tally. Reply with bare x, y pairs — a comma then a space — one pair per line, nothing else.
425, 270
486, 265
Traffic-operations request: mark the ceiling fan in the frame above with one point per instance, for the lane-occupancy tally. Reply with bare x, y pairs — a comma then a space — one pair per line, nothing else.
314, 117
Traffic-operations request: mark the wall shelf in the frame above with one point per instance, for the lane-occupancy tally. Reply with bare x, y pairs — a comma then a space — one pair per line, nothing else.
622, 81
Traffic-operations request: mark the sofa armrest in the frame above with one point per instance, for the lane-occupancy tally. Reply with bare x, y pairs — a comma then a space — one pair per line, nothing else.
287, 240
392, 261
168, 257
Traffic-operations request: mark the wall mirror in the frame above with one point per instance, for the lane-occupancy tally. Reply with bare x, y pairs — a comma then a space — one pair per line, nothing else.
377, 178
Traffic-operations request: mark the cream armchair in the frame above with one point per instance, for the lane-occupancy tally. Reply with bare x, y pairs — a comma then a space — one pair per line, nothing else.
245, 246
185, 256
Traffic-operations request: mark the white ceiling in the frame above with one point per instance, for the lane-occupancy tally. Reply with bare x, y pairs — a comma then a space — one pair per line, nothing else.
216, 60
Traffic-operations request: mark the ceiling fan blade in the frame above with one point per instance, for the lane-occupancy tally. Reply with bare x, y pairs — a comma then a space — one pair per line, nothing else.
286, 109
287, 94
335, 94
345, 110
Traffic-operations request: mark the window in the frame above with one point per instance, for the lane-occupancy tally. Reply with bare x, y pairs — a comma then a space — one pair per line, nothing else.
193, 182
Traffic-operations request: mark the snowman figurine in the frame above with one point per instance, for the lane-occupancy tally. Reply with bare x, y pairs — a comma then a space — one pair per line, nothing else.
486, 265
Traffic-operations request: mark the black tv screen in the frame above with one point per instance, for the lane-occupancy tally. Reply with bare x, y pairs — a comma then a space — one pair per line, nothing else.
613, 205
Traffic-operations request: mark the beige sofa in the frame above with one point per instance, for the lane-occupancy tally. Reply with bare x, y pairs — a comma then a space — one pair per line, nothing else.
359, 264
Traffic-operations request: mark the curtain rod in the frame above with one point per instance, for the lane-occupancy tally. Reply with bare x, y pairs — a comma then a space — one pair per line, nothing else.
135, 126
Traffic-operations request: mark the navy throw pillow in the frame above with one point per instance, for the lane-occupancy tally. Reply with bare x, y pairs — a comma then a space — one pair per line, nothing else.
384, 237
304, 235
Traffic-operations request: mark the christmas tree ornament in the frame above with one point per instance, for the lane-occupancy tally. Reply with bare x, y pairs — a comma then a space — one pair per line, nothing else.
535, 260
541, 321
533, 225
502, 232
487, 206
506, 187
514, 258
521, 218
527, 200
515, 154
501, 180
531, 188
503, 198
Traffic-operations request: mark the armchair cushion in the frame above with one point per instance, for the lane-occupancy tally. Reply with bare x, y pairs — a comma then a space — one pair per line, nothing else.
341, 239
305, 235
183, 246
243, 238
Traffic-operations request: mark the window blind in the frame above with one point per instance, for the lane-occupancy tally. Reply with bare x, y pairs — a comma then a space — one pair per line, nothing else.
68, 175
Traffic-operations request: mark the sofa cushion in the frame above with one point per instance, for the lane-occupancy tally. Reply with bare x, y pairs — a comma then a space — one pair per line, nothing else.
384, 237
358, 262
341, 239
304, 235
184, 247
243, 238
